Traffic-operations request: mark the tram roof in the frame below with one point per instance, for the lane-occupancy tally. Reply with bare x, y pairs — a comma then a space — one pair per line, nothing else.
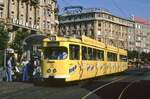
122, 51
112, 48
82, 40
87, 41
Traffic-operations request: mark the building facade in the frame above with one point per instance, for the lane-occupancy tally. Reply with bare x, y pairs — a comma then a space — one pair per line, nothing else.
1, 10
35, 16
97, 23
141, 35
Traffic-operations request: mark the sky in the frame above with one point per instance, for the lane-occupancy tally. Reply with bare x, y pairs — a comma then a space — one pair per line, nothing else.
122, 8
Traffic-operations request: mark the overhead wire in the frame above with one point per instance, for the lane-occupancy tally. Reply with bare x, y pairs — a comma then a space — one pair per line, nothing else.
67, 3
114, 3
120, 9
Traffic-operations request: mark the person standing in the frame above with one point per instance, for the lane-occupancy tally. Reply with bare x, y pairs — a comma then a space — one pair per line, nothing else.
62, 55
25, 70
9, 70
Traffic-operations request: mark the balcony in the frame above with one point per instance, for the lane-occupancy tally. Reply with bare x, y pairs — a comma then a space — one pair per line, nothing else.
35, 2
21, 24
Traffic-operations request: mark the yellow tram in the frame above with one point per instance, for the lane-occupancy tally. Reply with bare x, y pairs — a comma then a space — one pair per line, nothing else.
73, 59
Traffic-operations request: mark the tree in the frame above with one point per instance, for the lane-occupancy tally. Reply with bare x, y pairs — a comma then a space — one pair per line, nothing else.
4, 37
17, 44
132, 54
144, 56
148, 56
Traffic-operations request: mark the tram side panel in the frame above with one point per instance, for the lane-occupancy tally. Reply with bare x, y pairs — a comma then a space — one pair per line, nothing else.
89, 69
74, 70
101, 68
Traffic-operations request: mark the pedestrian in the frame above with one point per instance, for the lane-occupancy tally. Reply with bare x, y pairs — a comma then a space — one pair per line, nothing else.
25, 69
14, 67
31, 69
62, 55
14, 62
36, 67
9, 71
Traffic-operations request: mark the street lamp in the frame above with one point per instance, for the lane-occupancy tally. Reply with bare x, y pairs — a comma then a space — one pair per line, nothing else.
139, 57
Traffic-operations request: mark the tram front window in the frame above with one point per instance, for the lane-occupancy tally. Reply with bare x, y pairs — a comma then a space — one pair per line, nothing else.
55, 53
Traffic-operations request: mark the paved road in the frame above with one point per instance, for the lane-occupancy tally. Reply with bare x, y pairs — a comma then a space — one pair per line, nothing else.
132, 85
139, 90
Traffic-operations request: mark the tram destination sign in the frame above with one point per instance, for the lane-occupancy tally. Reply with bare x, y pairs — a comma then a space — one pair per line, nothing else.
53, 44
52, 38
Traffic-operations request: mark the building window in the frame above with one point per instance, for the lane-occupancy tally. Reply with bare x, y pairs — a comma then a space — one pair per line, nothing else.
44, 24
22, 4
139, 38
30, 8
30, 21
13, 2
49, 12
44, 1
109, 17
100, 15
99, 24
44, 12
1, 13
48, 25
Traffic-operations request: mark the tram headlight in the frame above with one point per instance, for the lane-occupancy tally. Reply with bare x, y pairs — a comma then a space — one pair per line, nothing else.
49, 71
54, 70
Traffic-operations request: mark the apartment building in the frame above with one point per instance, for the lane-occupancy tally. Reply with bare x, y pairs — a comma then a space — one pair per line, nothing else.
96, 23
38, 16
141, 34
1, 10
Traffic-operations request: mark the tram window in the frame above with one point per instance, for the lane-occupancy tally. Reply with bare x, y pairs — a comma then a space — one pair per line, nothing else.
100, 55
123, 58
90, 54
74, 52
94, 54
84, 53
111, 56
55, 53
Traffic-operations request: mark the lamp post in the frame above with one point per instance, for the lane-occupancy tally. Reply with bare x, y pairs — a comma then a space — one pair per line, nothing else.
139, 57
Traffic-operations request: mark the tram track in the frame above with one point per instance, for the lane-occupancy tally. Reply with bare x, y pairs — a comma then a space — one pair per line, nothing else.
109, 87
125, 89
102, 86
124, 83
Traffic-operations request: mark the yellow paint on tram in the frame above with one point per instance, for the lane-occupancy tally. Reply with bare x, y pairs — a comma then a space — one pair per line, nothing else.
73, 59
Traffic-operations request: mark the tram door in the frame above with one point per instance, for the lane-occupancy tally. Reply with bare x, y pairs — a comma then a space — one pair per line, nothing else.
74, 62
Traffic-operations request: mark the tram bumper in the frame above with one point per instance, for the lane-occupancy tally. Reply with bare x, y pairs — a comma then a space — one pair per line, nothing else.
55, 79
56, 76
